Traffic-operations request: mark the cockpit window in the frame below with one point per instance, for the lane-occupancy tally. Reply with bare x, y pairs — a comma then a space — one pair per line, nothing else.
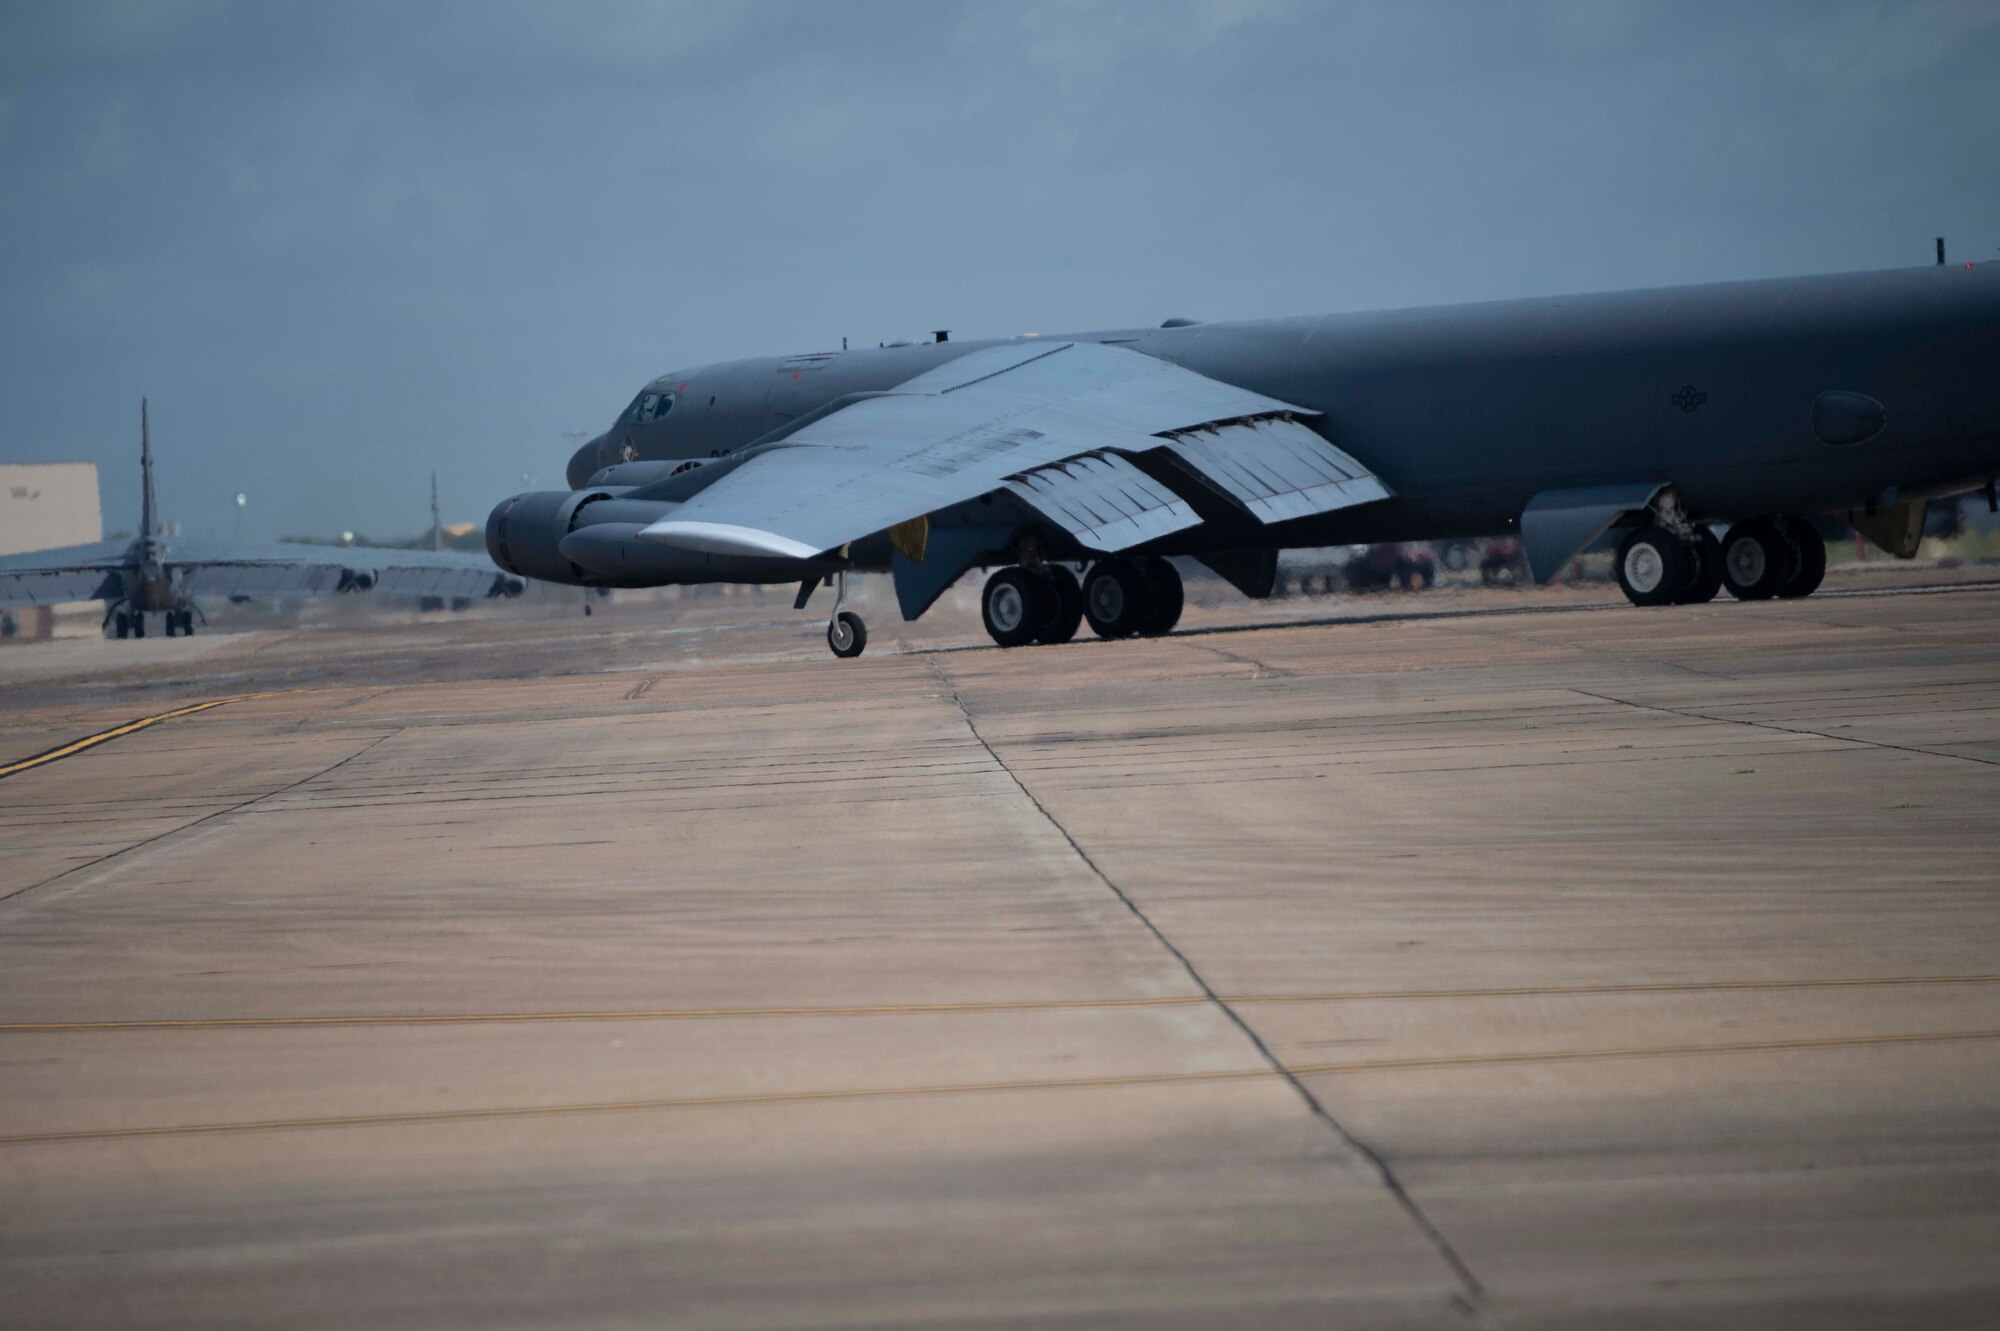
648, 406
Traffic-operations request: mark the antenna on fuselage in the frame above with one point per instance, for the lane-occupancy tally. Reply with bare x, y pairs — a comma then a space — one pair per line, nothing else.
148, 513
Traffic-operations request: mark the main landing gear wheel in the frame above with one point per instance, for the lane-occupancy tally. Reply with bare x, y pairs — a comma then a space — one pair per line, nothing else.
846, 634
1653, 566
1168, 597
1065, 605
1811, 549
122, 626
1704, 569
1116, 599
1014, 605
1757, 560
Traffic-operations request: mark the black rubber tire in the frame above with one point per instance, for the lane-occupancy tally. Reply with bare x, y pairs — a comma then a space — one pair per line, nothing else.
1015, 606
1065, 605
1169, 597
1116, 599
1652, 566
123, 625
1811, 547
139, 624
170, 623
1704, 570
855, 639
187, 623
1757, 560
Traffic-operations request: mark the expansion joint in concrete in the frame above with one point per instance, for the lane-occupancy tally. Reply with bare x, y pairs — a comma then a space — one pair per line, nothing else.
1788, 730
16, 896
1471, 1293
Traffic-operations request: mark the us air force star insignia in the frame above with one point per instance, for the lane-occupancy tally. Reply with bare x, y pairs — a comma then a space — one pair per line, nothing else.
1688, 398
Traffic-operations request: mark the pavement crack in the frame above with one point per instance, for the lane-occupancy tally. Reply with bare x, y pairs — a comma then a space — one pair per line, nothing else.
1261, 669
18, 893
1786, 730
1471, 1292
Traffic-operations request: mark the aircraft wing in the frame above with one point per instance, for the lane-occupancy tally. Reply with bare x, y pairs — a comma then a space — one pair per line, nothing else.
242, 568
1055, 424
56, 577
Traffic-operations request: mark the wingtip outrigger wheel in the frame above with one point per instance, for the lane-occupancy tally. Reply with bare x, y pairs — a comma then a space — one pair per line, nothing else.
845, 633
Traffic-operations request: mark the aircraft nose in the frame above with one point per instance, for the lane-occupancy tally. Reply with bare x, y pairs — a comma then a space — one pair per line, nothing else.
585, 463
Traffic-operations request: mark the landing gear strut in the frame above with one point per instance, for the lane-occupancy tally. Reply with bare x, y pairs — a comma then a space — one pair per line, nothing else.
845, 633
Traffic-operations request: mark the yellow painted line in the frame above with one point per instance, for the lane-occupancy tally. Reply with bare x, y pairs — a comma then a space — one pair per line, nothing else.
926, 1009
422, 1117
106, 736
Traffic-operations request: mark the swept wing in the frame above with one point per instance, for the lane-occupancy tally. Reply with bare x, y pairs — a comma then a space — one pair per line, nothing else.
70, 573
243, 568
1058, 425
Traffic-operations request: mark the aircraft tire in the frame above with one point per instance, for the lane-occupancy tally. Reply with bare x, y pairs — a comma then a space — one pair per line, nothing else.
1116, 599
1704, 570
1169, 597
1652, 566
1015, 605
138, 623
122, 626
846, 635
1065, 605
1811, 549
1757, 560
170, 622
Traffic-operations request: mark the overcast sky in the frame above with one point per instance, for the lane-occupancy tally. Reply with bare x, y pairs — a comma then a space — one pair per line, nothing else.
339, 244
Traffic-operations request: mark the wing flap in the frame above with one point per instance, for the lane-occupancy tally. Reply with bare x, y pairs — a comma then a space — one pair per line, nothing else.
1104, 501
1276, 468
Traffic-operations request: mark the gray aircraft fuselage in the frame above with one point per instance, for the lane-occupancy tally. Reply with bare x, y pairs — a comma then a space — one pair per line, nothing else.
1469, 411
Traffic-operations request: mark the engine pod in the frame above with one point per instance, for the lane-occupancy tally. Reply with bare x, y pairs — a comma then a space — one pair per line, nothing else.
613, 553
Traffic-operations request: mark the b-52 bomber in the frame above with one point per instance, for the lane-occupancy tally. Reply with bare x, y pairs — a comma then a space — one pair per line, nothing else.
161, 575
1750, 407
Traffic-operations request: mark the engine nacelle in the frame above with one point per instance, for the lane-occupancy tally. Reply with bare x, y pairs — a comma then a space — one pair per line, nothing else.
635, 474
356, 580
524, 534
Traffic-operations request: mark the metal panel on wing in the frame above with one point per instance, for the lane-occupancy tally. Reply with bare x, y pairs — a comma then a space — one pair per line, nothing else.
1275, 467
1103, 500
964, 429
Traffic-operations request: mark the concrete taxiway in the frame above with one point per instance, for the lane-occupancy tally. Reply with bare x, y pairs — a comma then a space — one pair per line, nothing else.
1536, 964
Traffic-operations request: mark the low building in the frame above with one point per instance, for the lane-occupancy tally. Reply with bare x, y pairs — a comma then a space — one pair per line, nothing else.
44, 505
